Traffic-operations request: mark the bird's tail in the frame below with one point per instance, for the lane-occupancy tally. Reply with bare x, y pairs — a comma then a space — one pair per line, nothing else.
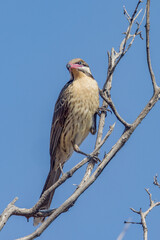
53, 177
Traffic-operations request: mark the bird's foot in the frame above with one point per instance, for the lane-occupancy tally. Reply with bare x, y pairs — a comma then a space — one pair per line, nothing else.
89, 156
103, 109
42, 213
61, 168
47, 211
94, 158
77, 149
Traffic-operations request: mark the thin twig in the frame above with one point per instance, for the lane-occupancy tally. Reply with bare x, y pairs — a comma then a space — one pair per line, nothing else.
132, 222
92, 163
150, 197
148, 47
155, 182
111, 104
126, 14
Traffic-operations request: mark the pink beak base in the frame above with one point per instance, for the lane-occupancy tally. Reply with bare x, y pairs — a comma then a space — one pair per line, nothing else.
75, 65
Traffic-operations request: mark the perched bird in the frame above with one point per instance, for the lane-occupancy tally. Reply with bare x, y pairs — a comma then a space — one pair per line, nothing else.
74, 117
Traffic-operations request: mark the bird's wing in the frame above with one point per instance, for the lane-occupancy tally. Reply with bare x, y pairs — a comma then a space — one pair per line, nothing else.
59, 117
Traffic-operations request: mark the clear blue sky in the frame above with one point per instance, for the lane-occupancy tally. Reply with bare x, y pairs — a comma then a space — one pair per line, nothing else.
37, 39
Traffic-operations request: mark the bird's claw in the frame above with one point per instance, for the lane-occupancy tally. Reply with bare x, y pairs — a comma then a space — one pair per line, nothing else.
90, 157
103, 109
46, 210
94, 158
77, 149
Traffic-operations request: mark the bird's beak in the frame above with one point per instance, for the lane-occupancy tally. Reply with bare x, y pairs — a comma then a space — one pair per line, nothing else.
70, 66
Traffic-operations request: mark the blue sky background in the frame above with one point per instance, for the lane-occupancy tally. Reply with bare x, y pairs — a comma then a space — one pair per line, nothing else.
37, 39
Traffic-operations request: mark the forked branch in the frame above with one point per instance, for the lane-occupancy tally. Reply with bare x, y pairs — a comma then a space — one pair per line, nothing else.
113, 60
143, 215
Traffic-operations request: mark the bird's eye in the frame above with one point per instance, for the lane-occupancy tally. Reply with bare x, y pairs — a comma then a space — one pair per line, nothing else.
80, 63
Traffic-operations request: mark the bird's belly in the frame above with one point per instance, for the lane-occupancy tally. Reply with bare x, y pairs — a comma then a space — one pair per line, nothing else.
77, 126
76, 129
83, 105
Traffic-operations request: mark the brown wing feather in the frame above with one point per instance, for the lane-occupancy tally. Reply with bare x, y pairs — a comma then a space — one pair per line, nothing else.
59, 117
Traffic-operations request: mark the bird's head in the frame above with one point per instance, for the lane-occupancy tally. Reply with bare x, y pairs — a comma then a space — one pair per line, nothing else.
78, 67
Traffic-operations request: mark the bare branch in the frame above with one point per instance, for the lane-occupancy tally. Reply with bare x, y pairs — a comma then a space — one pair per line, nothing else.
91, 164
148, 47
143, 215
116, 57
155, 182
132, 222
13, 210
71, 200
111, 104
113, 60
144, 225
150, 197
135, 211
7, 213
126, 14
107, 158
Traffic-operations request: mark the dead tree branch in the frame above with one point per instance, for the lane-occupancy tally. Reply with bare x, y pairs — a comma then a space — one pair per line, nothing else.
148, 47
113, 60
155, 182
90, 175
143, 215
13, 210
